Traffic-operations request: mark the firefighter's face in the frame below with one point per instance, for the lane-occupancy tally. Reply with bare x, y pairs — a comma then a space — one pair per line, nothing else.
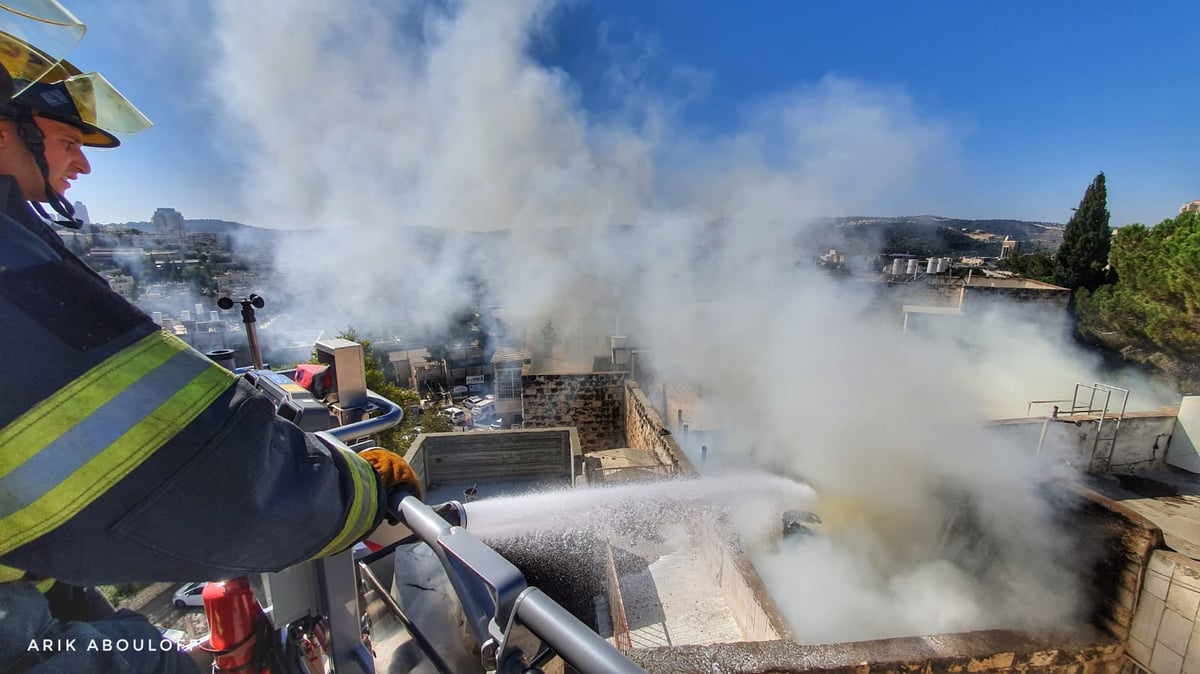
64, 153
64, 157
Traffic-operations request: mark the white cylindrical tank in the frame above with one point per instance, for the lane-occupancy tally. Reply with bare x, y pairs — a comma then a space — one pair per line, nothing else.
212, 316
931, 266
914, 266
199, 310
943, 264
185, 315
897, 267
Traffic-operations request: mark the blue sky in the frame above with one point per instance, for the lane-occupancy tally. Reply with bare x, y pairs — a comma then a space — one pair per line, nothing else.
1019, 104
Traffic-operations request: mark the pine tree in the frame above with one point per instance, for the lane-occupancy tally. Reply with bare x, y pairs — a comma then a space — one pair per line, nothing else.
1082, 258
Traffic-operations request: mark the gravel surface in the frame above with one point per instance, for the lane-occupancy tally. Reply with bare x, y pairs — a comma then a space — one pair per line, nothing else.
154, 602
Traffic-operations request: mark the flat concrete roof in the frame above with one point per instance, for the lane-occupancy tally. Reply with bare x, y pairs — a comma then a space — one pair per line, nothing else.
921, 309
1168, 497
1027, 283
675, 602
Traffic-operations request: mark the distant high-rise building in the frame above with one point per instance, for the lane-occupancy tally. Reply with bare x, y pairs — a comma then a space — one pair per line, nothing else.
81, 212
1191, 206
168, 221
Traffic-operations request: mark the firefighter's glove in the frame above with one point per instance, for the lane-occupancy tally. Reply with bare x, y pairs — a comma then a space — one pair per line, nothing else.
397, 475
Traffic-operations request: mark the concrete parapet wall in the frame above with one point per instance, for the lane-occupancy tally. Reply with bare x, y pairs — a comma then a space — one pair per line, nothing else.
1086, 652
741, 587
440, 458
644, 429
1127, 541
594, 403
1141, 442
979, 294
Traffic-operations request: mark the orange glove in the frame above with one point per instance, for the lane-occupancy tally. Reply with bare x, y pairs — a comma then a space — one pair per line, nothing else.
393, 470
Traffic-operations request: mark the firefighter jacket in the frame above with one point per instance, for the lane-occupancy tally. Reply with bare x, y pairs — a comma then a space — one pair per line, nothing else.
127, 456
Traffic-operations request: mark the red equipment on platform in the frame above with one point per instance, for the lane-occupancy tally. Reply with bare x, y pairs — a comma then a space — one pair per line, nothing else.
237, 623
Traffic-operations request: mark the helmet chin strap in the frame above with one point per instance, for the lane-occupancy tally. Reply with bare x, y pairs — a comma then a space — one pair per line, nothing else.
32, 136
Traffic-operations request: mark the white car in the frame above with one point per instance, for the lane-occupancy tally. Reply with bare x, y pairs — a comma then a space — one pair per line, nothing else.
454, 414
190, 594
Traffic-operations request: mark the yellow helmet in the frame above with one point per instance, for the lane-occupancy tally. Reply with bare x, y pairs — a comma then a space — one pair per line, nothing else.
86, 101
35, 36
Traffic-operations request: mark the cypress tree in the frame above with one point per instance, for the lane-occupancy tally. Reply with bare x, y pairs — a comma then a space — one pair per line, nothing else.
1082, 257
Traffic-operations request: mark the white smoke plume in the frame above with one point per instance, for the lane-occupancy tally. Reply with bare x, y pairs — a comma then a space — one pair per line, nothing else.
368, 122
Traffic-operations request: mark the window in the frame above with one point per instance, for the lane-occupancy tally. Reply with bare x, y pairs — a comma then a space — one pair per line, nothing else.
508, 382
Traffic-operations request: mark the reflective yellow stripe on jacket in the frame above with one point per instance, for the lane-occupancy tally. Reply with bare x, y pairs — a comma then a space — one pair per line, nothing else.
366, 501
75, 445
8, 575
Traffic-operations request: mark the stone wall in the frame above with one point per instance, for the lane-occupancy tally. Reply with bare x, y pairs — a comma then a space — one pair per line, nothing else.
593, 403
965, 653
1125, 541
1165, 638
644, 429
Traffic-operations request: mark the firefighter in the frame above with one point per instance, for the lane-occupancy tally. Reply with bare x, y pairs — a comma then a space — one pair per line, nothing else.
125, 455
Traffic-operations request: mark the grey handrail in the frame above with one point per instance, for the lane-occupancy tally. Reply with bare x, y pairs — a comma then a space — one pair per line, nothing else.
358, 429
495, 598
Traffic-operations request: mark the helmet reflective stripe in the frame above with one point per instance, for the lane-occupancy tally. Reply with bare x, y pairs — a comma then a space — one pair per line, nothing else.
366, 502
73, 446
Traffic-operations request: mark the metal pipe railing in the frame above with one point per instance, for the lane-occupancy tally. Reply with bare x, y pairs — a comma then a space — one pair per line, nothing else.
586, 651
358, 429
494, 598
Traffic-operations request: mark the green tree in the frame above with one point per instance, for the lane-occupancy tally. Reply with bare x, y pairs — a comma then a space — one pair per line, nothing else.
1155, 300
1038, 265
432, 422
1082, 258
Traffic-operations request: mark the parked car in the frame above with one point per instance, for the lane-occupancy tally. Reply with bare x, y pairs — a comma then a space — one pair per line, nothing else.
190, 594
497, 424
471, 402
454, 414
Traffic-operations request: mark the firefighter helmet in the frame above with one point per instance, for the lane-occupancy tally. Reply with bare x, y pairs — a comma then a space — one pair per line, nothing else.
86, 101
35, 36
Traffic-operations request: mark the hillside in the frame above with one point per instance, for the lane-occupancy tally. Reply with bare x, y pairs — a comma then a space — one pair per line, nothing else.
927, 235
